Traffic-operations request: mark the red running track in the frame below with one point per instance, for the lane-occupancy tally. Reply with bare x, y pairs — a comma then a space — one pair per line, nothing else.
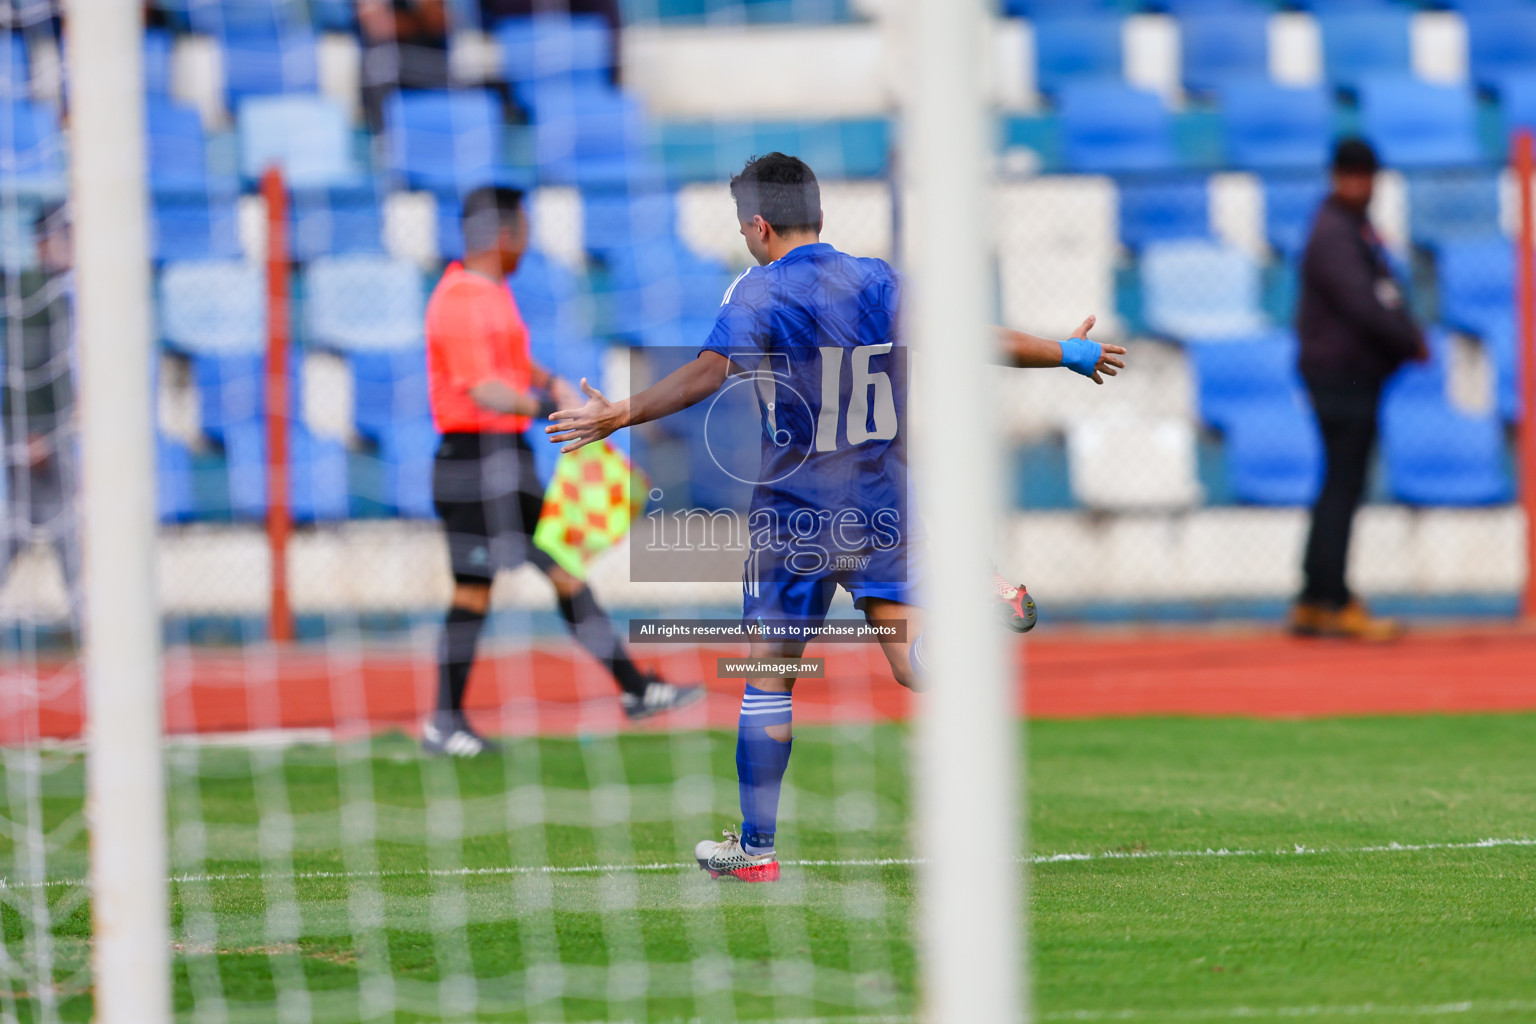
553, 689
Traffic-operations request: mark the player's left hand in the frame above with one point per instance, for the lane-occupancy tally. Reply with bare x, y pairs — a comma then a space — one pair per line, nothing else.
580, 427
1110, 364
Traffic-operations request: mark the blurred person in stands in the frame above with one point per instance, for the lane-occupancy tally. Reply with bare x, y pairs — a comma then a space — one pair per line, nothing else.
1355, 330
405, 46
37, 401
485, 390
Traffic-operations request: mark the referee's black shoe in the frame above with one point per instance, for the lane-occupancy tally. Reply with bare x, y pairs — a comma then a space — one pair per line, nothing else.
659, 697
448, 732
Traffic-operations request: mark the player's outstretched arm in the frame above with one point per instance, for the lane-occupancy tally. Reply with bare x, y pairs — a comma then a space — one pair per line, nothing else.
688, 385
1077, 353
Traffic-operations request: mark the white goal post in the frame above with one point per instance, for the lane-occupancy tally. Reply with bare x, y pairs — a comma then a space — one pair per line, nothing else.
967, 773
125, 787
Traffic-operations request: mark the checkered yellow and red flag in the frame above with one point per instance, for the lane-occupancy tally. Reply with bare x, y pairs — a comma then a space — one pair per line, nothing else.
592, 497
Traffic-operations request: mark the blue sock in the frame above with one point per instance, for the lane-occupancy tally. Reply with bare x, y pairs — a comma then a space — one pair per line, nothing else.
760, 764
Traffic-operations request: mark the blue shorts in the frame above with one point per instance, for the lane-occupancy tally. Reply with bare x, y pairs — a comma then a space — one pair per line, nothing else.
801, 599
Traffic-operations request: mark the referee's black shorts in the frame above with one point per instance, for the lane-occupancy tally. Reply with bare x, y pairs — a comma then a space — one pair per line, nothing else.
488, 496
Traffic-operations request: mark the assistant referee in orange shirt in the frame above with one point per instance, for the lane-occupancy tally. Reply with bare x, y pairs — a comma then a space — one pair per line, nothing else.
485, 391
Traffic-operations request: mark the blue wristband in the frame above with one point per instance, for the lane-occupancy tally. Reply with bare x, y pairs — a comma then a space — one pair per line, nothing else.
1081, 355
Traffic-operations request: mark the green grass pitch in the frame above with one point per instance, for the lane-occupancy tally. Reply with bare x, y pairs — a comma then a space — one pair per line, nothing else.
326, 883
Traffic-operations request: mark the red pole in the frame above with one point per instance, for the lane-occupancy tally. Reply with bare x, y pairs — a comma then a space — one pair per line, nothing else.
279, 514
1525, 357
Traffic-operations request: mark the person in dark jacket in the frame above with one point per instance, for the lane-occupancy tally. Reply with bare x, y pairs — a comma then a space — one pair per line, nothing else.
1355, 330
405, 46
37, 403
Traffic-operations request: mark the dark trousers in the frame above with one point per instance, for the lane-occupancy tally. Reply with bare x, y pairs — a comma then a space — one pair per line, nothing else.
1346, 417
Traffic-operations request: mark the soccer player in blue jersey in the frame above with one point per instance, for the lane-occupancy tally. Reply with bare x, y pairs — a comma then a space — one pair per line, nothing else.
817, 331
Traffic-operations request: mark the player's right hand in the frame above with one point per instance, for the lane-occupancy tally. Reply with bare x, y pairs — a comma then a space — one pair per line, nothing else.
576, 428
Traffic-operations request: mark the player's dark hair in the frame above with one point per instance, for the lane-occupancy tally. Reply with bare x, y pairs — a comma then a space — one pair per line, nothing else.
487, 210
782, 190
1353, 155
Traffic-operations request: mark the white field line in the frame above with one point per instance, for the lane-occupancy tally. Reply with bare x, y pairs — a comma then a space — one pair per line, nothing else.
1297, 850
1202, 1013
1480, 1007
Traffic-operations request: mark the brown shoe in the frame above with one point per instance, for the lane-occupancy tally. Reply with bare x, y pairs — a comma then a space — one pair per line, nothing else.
1305, 618
1355, 622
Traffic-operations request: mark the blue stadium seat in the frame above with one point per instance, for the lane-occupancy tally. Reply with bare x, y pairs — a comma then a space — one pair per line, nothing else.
214, 307
1517, 100
389, 386
333, 15
177, 146
1501, 40
317, 468
335, 221
576, 50
444, 141
1290, 203
1418, 124
363, 302
262, 61
571, 357
407, 449
1274, 453
589, 135
157, 62
1196, 290
1501, 346
1271, 126
1223, 46
1051, 8
1109, 127
615, 219
18, 238
1071, 49
1477, 280
1232, 374
1161, 209
1437, 455
175, 494
853, 148
1334, 6
541, 286
306, 137
761, 12
31, 148
16, 74
230, 390
714, 150
1362, 43
221, 18
548, 296
195, 224
652, 288
1449, 204
1194, 8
